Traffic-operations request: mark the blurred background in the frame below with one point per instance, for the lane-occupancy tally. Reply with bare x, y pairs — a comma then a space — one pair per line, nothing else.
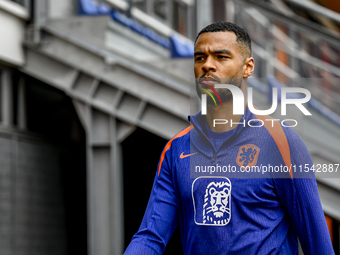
90, 92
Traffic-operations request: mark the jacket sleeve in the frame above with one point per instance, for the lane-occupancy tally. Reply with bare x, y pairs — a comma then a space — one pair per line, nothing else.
300, 198
161, 215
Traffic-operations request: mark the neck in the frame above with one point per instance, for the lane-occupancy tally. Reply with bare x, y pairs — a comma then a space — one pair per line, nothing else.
223, 112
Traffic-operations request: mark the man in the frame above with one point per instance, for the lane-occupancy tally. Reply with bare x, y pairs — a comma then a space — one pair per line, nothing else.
232, 212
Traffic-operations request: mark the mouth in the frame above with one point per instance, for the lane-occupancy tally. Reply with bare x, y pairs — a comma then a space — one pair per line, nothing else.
206, 82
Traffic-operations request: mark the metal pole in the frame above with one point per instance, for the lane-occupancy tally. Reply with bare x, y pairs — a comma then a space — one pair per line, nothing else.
7, 99
128, 11
22, 119
27, 4
204, 13
40, 17
230, 10
116, 191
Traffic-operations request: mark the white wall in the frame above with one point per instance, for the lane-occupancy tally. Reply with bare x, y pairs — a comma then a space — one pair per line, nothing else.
12, 24
61, 8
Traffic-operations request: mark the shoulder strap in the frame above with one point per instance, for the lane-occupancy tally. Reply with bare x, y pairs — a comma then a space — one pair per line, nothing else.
276, 131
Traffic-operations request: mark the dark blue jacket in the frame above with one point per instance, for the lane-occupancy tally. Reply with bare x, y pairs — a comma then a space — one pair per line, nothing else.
255, 194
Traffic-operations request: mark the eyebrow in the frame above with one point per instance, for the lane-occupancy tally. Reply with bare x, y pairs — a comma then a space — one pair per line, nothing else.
198, 53
222, 51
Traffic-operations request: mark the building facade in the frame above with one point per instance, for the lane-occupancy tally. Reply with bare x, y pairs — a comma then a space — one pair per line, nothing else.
90, 92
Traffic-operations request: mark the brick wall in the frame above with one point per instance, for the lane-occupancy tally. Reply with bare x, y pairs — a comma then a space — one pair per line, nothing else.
31, 197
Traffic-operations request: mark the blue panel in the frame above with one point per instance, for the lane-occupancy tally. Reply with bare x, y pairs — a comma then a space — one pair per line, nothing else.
140, 29
89, 7
103, 9
121, 18
180, 48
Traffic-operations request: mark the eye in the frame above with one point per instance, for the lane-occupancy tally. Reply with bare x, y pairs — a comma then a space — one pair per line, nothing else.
223, 57
199, 58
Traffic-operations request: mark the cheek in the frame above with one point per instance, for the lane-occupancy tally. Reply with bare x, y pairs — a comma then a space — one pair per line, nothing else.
226, 68
197, 70
233, 71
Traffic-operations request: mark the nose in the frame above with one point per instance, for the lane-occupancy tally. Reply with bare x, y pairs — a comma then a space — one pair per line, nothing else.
209, 65
218, 200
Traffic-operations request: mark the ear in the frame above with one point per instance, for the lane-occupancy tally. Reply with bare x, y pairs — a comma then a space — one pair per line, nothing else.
212, 191
226, 190
248, 67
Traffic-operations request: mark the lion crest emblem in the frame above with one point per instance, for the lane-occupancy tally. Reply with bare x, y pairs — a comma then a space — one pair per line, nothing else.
216, 208
247, 155
212, 200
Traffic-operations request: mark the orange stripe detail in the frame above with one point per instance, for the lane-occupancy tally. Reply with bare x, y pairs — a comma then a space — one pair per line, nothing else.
276, 131
168, 145
329, 222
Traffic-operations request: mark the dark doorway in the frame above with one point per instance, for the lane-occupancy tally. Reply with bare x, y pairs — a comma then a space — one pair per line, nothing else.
51, 115
139, 173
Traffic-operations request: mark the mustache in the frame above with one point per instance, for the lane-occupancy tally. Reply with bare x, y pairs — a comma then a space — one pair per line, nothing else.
209, 75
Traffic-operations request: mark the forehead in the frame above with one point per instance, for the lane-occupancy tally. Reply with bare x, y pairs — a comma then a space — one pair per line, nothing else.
217, 40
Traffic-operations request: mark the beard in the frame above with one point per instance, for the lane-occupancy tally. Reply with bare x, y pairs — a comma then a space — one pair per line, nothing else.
225, 94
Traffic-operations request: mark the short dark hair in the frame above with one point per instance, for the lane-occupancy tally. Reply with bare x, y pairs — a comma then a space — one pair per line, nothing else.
242, 36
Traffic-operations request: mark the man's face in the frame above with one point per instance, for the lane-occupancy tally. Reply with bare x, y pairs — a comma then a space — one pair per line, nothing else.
219, 59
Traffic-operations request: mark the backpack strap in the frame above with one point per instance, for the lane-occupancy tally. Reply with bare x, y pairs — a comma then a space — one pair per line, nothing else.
276, 131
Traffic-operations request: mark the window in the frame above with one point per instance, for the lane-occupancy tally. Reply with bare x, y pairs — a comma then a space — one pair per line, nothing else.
140, 4
219, 10
160, 8
180, 17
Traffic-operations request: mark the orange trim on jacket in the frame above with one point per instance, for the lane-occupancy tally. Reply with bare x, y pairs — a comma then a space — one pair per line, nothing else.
168, 145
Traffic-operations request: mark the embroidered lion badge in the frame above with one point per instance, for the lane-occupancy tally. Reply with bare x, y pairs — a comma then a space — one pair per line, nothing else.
216, 208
